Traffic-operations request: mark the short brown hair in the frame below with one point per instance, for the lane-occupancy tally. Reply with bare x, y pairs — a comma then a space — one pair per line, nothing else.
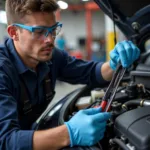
16, 9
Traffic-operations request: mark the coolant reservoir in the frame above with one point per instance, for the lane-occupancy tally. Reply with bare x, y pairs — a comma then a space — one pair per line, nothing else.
83, 102
97, 94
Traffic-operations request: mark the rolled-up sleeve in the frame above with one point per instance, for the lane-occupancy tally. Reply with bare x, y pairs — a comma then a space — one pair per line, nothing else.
11, 136
98, 74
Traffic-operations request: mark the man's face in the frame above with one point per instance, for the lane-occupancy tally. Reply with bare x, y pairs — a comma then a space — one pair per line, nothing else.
31, 49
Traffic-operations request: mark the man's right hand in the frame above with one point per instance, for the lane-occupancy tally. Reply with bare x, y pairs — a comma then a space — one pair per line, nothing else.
87, 127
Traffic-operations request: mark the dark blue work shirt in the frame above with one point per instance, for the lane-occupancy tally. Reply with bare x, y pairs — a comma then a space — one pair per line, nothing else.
62, 66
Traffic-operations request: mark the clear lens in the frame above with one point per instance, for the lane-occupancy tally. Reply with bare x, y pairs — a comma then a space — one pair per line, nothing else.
55, 31
41, 33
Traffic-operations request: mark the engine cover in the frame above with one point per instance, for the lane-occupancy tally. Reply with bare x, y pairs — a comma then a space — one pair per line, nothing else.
135, 126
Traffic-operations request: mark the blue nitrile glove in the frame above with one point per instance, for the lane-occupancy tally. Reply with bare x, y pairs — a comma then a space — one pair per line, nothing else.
87, 127
126, 52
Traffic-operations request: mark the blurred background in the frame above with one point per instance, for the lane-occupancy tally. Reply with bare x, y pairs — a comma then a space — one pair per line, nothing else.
86, 34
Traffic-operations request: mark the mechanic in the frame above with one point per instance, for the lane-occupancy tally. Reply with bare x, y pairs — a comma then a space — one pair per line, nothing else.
29, 67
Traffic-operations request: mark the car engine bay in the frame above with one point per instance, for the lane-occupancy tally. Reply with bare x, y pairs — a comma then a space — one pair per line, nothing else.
128, 128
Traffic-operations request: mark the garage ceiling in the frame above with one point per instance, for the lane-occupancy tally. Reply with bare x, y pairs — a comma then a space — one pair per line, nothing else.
75, 2
71, 2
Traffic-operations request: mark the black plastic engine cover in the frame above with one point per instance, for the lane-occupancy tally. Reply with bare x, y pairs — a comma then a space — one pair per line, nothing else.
135, 125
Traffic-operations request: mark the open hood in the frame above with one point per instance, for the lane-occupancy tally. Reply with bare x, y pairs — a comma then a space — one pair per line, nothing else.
131, 16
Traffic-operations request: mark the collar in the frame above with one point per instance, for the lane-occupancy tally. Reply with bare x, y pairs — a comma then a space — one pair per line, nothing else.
21, 67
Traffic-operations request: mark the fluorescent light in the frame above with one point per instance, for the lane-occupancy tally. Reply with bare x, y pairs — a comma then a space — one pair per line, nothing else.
85, 0
62, 4
3, 17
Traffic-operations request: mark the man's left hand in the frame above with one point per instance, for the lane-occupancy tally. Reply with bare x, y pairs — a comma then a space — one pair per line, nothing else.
126, 52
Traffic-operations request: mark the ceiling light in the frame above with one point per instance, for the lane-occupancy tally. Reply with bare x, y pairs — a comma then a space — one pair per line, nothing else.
62, 5
85, 0
3, 17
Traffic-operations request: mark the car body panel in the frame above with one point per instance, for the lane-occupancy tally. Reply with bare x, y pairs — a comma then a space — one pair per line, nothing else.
132, 17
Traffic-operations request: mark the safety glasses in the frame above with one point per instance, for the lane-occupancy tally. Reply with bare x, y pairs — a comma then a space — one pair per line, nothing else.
41, 32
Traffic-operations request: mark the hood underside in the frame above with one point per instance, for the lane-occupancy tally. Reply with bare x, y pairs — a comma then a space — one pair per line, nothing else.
131, 16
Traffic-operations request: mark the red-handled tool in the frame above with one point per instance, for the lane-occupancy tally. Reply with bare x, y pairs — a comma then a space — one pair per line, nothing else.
103, 105
112, 88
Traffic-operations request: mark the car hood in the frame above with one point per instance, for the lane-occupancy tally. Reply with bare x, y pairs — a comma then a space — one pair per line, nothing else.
131, 16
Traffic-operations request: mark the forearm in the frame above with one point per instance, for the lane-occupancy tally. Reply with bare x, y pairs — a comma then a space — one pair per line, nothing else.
106, 71
51, 139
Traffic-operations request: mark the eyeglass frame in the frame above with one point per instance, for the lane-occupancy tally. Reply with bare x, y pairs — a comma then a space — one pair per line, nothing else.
33, 28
